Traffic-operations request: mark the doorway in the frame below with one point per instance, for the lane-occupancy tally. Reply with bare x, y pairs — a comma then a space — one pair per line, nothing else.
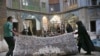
94, 2
31, 26
93, 26
15, 26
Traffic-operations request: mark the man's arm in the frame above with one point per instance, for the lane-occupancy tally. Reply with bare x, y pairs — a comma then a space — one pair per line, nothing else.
11, 29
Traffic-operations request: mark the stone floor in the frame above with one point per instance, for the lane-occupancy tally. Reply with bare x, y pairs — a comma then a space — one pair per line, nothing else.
81, 54
93, 54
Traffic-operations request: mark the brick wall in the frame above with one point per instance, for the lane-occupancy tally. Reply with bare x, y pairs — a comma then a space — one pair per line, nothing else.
2, 16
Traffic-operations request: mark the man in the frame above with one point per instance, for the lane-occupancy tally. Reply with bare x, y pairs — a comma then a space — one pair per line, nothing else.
69, 28
8, 35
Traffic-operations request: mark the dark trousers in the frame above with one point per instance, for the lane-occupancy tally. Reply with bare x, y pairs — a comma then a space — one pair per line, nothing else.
11, 44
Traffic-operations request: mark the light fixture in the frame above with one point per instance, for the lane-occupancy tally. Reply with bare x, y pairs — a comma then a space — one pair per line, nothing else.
33, 16
25, 3
52, 9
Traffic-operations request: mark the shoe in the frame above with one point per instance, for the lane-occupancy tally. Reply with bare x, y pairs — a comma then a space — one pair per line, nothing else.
87, 53
7, 54
11, 54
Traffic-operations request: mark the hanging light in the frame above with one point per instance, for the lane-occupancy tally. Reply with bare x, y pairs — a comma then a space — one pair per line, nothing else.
25, 3
52, 9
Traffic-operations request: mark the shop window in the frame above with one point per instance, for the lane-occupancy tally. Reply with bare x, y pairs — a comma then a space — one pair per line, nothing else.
43, 8
75, 1
31, 4
16, 4
43, 4
70, 2
93, 26
65, 5
54, 7
94, 2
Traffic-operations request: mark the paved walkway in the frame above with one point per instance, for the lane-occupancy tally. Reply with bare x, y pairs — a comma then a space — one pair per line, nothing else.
93, 54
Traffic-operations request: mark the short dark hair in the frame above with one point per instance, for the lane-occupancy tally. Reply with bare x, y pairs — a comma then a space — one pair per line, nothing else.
9, 18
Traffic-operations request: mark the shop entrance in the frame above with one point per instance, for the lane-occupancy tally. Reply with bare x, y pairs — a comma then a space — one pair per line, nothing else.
93, 26
15, 26
31, 26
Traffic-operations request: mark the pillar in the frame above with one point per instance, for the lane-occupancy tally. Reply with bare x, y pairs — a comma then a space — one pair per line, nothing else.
3, 16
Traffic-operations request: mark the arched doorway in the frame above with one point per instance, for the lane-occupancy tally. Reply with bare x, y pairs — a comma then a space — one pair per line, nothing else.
55, 22
45, 23
15, 24
30, 26
44, 26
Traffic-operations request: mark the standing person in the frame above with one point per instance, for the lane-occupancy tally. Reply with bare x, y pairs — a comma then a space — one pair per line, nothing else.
8, 35
84, 40
29, 31
58, 29
62, 29
45, 33
69, 28
24, 32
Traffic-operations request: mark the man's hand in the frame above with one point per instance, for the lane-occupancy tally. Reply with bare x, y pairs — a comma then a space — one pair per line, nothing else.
16, 33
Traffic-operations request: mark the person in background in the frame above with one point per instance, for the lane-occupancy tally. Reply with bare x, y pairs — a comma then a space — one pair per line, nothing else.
45, 33
29, 31
8, 35
62, 29
84, 40
69, 28
58, 29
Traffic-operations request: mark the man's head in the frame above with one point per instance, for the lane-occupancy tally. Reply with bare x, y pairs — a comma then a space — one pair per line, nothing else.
10, 18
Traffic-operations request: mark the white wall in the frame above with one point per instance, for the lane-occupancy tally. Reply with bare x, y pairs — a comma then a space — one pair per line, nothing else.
84, 17
3, 46
38, 27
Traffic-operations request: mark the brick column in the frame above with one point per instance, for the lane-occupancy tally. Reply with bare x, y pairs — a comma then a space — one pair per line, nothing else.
3, 16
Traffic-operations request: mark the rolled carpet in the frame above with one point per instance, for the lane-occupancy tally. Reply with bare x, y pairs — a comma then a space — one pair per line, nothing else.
37, 46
